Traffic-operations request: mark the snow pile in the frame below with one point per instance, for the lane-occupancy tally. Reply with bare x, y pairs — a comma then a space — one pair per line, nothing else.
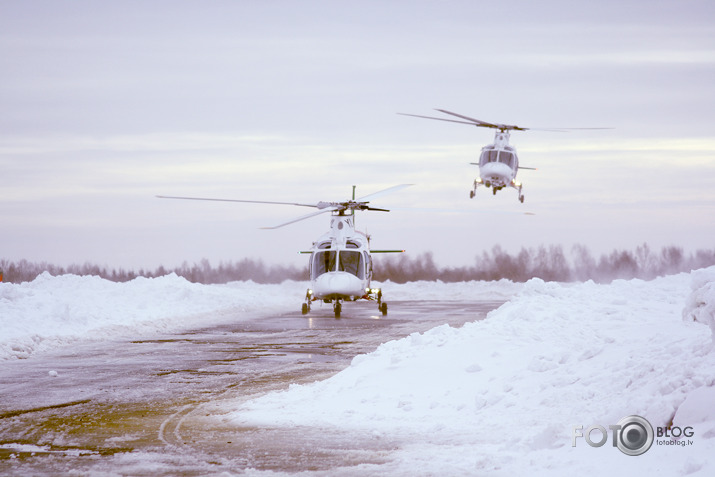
700, 306
423, 290
53, 311
504, 394
499, 395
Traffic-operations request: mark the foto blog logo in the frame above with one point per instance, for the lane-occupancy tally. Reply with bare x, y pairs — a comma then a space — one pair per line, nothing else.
633, 435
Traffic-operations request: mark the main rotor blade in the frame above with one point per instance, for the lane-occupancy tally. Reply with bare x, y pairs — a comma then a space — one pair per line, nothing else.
511, 126
380, 193
303, 217
484, 124
438, 119
565, 129
477, 121
462, 211
237, 200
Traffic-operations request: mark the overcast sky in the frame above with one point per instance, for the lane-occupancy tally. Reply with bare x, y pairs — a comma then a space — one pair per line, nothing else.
107, 104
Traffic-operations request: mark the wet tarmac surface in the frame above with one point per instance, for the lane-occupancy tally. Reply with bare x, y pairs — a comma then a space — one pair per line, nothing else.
148, 406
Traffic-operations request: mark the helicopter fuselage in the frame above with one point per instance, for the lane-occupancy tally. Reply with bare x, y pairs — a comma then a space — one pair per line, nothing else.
498, 162
498, 165
340, 264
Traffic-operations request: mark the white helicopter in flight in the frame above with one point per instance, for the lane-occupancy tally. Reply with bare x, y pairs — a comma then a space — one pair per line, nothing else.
498, 162
340, 265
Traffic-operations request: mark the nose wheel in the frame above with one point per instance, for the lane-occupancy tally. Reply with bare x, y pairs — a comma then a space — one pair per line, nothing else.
381, 305
337, 308
305, 308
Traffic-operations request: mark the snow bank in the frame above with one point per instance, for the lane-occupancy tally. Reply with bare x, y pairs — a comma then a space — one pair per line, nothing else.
500, 395
700, 305
504, 394
475, 290
53, 311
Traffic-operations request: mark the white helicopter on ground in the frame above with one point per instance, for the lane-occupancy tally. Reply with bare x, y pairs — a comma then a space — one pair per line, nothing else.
340, 265
498, 162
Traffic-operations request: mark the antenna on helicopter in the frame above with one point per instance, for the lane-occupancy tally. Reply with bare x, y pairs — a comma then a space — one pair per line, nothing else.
354, 187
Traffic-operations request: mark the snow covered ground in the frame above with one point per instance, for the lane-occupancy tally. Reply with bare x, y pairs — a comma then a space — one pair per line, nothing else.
499, 396
54, 311
503, 395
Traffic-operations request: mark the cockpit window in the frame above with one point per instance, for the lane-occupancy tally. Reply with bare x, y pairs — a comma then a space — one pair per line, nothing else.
489, 155
506, 158
495, 155
323, 262
352, 263
349, 261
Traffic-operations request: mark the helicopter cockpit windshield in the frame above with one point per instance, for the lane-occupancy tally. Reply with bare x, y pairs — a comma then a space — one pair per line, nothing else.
348, 261
352, 263
498, 155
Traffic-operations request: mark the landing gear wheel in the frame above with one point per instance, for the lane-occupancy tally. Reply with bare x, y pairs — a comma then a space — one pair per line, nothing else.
337, 308
521, 199
305, 309
494, 191
383, 309
471, 194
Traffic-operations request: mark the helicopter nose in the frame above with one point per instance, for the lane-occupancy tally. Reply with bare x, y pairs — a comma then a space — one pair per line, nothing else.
338, 283
495, 172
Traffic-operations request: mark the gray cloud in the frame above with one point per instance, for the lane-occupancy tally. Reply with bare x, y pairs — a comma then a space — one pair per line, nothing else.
106, 105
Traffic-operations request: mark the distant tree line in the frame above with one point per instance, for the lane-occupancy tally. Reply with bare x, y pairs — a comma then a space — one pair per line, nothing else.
203, 272
548, 263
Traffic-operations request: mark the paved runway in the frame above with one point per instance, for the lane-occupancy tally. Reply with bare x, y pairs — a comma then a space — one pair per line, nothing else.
116, 406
